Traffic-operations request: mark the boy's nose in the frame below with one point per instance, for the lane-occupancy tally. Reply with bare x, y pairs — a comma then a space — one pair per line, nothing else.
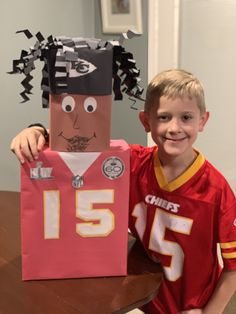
174, 125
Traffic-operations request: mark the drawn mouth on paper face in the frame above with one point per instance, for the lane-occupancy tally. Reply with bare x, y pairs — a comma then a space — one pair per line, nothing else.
77, 143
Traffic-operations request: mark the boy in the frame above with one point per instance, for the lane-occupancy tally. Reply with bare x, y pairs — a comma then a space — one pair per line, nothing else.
180, 205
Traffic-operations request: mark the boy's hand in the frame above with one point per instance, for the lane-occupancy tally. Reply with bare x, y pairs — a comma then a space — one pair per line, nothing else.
28, 143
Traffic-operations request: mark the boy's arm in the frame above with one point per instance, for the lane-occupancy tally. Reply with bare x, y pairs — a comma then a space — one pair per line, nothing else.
28, 143
223, 292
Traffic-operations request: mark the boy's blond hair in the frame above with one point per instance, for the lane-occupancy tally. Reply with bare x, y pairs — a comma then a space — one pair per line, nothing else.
172, 84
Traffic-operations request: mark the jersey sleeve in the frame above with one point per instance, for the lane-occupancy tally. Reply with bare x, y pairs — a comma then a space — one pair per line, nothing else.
139, 156
227, 228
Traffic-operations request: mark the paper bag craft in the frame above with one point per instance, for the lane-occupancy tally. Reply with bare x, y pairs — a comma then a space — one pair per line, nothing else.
77, 86
74, 198
74, 214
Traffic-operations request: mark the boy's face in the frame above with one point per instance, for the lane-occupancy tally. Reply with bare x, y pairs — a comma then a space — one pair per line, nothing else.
80, 123
174, 125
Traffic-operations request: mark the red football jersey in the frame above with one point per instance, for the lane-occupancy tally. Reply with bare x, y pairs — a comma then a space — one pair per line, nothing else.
179, 224
74, 213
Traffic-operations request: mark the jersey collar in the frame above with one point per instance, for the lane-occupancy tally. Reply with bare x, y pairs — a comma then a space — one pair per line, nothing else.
183, 178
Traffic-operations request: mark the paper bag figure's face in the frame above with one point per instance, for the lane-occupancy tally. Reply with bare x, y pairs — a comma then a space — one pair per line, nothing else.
79, 77
80, 123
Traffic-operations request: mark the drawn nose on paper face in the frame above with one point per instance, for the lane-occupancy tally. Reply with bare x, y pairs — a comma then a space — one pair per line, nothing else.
76, 124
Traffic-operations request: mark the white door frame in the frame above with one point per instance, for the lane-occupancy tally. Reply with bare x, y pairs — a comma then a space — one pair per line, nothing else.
163, 37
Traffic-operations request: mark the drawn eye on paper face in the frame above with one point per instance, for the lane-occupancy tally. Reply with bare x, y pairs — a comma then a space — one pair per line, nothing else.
90, 104
68, 104
81, 67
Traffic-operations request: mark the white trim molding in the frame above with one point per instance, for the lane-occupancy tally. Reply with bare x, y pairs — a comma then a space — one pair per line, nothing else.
163, 37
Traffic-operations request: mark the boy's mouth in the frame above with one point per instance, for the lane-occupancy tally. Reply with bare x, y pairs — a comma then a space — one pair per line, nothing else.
174, 139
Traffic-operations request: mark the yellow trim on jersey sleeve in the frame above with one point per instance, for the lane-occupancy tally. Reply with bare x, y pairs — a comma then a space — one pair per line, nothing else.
229, 255
228, 245
183, 178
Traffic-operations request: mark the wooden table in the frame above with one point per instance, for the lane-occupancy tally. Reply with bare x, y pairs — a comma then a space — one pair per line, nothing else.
68, 296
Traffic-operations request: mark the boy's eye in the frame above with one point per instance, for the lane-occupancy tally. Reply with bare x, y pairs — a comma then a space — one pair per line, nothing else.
68, 104
90, 104
186, 117
163, 118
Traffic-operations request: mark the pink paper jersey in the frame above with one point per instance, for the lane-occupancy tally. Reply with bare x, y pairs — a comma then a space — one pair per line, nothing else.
74, 214
179, 224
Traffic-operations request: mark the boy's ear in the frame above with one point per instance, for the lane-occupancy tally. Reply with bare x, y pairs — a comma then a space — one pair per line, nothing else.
143, 117
203, 120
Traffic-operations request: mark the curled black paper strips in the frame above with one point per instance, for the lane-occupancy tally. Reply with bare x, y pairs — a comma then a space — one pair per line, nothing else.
80, 66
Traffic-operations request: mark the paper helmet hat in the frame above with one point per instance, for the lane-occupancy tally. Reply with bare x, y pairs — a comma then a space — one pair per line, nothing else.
78, 66
84, 66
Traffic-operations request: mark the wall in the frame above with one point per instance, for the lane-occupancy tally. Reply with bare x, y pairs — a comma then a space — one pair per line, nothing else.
207, 47
125, 122
56, 17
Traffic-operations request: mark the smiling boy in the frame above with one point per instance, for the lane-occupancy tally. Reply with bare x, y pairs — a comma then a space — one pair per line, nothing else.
180, 205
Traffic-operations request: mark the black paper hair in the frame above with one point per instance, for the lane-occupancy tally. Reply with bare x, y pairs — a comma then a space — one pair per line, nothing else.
63, 55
